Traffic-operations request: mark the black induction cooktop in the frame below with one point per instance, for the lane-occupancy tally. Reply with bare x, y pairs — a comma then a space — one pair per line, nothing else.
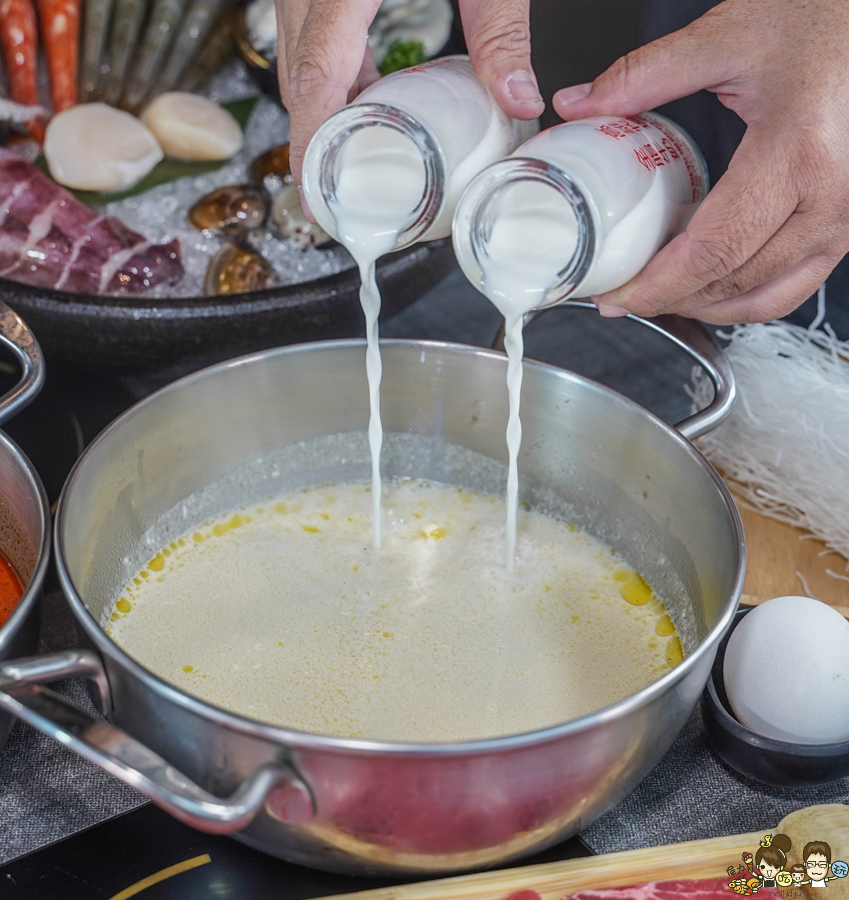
147, 854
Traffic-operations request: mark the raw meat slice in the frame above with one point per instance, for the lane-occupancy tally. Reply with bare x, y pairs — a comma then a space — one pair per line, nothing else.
705, 889
48, 238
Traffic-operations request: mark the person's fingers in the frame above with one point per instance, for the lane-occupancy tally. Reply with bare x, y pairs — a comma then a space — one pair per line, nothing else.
323, 64
290, 20
368, 75
498, 37
772, 300
667, 69
795, 242
744, 210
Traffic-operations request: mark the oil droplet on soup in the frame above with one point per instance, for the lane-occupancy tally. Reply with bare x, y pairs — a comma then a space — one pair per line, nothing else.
426, 639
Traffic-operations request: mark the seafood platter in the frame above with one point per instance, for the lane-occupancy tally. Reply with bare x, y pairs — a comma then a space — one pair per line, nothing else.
149, 213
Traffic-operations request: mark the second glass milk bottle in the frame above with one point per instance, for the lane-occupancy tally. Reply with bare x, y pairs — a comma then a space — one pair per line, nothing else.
587, 203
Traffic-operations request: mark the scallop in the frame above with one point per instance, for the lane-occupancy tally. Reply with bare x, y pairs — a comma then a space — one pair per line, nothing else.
290, 222
94, 147
236, 269
192, 127
233, 209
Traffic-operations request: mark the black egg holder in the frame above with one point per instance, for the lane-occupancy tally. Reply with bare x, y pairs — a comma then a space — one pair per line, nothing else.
777, 763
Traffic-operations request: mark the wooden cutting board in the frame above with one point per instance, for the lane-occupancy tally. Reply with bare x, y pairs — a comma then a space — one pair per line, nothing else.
708, 858
777, 551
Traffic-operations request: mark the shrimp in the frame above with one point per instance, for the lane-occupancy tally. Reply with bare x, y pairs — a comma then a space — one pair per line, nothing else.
126, 28
164, 20
60, 34
98, 17
192, 38
18, 36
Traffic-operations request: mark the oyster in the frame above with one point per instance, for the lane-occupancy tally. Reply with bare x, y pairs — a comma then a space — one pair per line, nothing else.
426, 21
290, 222
236, 269
260, 18
233, 209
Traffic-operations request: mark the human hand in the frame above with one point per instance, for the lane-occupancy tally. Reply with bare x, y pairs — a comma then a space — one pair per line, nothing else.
777, 222
324, 60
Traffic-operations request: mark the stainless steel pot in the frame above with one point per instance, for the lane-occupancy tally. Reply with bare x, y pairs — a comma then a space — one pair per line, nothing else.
363, 806
24, 511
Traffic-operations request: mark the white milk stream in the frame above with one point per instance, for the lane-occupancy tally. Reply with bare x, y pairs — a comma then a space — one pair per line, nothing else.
401, 155
381, 180
532, 236
634, 182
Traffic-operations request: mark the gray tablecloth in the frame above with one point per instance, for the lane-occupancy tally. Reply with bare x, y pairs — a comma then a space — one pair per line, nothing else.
46, 792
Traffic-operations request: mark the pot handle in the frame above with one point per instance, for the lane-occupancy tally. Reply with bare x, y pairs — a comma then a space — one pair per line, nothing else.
22, 695
15, 334
692, 337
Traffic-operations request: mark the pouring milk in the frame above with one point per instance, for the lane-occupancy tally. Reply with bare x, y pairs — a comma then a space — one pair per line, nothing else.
388, 170
576, 211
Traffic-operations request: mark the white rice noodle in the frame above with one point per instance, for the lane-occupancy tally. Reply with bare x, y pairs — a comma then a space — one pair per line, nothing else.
785, 446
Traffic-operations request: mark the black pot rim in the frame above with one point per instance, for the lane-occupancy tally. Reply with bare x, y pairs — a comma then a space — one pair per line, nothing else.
304, 293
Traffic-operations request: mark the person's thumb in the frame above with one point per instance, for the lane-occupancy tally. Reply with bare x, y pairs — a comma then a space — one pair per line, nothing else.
674, 66
499, 40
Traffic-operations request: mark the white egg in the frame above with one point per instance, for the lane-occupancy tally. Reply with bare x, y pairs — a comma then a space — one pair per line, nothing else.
786, 671
95, 147
193, 127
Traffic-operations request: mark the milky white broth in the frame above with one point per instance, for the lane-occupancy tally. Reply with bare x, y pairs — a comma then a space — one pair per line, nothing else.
286, 612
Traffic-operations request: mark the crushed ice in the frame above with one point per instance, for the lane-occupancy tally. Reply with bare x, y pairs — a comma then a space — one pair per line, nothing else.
160, 214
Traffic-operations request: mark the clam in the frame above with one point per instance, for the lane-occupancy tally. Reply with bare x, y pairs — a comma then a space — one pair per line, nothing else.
233, 209
273, 163
290, 222
236, 269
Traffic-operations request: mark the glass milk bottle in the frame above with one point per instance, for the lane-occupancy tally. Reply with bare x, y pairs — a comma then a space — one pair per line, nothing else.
402, 153
577, 210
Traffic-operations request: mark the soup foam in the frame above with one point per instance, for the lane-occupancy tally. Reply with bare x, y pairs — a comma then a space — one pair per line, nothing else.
285, 612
